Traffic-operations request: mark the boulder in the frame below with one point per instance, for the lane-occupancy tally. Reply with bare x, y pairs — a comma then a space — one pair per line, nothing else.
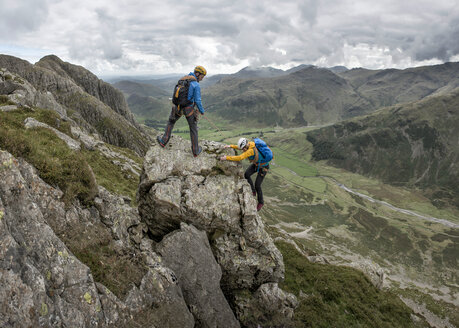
176, 187
187, 252
269, 306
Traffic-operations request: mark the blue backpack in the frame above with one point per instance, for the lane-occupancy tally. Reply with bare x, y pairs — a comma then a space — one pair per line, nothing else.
263, 149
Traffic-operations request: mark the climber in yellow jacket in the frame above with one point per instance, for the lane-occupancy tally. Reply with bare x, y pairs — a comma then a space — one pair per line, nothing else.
254, 156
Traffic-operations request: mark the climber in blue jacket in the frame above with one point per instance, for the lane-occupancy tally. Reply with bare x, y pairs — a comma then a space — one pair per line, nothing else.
187, 107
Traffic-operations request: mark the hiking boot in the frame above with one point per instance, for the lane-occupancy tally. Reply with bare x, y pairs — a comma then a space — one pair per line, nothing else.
160, 141
254, 193
259, 206
198, 152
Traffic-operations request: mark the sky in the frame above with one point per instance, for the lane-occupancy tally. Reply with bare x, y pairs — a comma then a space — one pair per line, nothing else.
141, 37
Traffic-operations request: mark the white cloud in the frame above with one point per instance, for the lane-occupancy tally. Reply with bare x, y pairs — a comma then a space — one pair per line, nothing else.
168, 36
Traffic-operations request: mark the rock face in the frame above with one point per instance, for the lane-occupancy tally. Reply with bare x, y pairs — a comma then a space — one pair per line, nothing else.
187, 252
177, 188
200, 274
94, 104
22, 93
44, 284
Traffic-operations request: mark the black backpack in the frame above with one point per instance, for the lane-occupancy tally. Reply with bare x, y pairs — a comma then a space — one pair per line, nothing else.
180, 96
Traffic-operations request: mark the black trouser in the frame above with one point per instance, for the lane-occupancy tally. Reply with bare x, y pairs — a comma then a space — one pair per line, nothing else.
192, 119
260, 176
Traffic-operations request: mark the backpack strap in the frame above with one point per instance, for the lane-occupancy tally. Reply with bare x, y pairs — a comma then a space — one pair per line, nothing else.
256, 155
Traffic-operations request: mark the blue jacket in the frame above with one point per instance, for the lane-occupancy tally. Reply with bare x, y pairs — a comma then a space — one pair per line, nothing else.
194, 94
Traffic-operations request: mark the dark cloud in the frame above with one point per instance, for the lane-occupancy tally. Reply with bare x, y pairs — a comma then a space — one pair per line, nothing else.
158, 35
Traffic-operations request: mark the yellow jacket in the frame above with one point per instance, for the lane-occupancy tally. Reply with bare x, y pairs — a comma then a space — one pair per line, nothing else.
250, 152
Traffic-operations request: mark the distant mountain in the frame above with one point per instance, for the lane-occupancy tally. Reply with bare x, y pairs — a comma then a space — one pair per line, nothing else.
391, 86
309, 95
260, 72
413, 144
314, 95
338, 69
141, 89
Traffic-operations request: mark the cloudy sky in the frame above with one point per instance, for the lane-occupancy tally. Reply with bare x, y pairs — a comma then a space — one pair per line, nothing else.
159, 37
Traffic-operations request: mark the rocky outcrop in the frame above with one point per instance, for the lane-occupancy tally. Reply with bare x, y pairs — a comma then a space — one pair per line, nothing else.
187, 252
183, 258
177, 188
103, 112
22, 93
217, 275
269, 304
45, 284
90, 83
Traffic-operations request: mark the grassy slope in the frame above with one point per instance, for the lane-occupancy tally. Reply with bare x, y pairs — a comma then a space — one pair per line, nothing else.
72, 172
334, 296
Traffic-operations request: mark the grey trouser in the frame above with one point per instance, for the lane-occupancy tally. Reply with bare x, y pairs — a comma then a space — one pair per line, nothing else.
192, 119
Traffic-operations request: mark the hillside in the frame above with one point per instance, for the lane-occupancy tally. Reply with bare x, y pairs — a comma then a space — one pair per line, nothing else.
392, 86
413, 144
76, 93
307, 96
315, 96
149, 104
141, 89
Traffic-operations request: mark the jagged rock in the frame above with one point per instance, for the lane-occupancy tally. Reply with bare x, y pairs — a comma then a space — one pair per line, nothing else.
33, 123
176, 187
159, 291
372, 270
90, 83
123, 220
92, 143
109, 122
269, 306
187, 252
213, 196
21, 92
44, 284
88, 141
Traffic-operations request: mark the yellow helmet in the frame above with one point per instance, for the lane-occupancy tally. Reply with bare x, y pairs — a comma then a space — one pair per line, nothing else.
200, 70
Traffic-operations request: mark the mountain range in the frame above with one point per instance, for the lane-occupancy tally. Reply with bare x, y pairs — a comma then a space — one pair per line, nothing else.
306, 95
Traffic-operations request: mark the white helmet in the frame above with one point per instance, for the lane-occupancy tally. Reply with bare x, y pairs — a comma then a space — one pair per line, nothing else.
242, 143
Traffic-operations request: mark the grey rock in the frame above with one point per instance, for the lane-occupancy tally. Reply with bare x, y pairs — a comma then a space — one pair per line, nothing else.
187, 252
176, 187
372, 270
46, 285
269, 306
88, 141
49, 79
92, 142
8, 108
